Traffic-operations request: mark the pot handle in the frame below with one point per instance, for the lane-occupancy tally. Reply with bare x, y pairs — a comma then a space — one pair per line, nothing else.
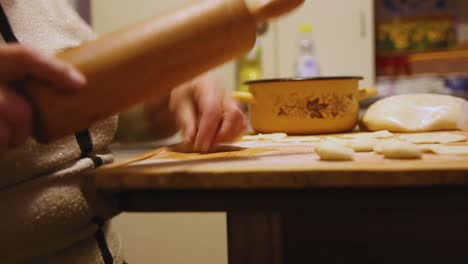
244, 97
366, 93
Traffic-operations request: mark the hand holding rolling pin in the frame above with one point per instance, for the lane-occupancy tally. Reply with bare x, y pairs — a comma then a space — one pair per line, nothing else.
18, 62
149, 60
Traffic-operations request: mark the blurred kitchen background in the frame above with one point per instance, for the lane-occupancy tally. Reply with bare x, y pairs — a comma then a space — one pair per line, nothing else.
398, 46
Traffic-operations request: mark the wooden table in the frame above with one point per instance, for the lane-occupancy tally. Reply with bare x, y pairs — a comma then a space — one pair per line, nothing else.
289, 207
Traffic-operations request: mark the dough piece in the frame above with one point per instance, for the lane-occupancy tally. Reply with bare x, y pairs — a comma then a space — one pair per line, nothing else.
331, 151
417, 113
401, 150
433, 138
297, 139
427, 148
273, 136
359, 144
450, 150
362, 144
378, 134
379, 146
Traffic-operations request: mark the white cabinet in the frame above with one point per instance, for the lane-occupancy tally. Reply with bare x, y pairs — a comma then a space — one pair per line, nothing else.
343, 34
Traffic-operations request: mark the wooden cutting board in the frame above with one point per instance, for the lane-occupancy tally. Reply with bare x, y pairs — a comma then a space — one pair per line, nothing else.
266, 165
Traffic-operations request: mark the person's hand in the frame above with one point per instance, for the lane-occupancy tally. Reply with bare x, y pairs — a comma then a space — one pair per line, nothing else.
206, 113
17, 63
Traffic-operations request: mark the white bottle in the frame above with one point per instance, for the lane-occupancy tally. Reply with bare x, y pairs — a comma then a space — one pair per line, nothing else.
306, 62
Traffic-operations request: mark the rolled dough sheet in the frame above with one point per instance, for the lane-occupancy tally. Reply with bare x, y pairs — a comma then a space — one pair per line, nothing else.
297, 139
433, 138
377, 134
449, 150
273, 136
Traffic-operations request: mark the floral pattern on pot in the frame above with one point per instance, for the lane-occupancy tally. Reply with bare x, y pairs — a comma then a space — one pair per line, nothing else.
312, 106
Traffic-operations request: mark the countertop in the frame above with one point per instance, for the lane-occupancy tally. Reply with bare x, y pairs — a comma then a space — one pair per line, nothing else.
281, 166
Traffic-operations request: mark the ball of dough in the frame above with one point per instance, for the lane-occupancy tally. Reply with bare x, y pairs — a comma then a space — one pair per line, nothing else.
417, 113
332, 151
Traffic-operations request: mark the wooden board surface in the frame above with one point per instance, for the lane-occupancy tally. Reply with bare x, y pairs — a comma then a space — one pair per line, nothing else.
267, 165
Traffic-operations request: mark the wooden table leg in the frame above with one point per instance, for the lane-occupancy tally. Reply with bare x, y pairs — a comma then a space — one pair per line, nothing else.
254, 238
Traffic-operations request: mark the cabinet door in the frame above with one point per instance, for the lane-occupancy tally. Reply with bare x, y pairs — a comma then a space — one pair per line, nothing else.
343, 34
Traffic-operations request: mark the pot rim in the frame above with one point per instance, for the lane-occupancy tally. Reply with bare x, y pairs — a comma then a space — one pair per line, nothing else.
295, 79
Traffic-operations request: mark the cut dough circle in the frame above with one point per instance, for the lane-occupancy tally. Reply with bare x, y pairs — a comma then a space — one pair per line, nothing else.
331, 151
378, 147
427, 148
362, 144
358, 144
400, 150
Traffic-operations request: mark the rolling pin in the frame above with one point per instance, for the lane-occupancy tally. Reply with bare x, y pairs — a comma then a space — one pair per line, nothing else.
147, 60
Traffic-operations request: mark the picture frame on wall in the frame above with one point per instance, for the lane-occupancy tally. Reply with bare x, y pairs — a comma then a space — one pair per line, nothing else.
415, 26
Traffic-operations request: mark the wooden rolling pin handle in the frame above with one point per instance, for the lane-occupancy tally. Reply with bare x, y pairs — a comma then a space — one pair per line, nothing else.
148, 60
